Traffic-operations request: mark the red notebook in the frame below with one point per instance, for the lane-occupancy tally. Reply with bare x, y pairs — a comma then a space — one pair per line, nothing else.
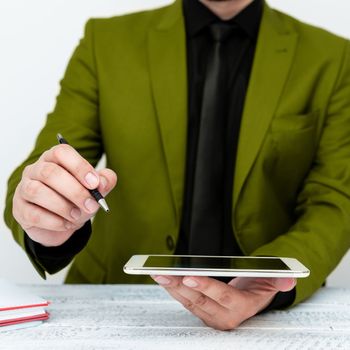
18, 306
18, 320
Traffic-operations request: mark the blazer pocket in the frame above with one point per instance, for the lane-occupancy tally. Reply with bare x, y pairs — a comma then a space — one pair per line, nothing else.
294, 122
293, 140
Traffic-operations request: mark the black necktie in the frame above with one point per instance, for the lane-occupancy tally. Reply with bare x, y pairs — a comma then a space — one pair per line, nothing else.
206, 227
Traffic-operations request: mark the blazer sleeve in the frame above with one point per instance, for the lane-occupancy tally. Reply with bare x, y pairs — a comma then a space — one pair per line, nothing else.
75, 116
321, 234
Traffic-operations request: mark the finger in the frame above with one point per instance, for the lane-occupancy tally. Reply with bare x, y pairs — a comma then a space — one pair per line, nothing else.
187, 304
61, 181
227, 322
264, 285
68, 158
32, 215
225, 295
194, 299
195, 309
108, 180
167, 281
282, 284
36, 192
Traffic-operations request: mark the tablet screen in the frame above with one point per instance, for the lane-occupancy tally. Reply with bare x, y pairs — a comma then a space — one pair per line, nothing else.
215, 263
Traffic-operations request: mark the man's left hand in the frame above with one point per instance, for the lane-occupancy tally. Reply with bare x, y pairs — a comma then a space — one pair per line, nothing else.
224, 306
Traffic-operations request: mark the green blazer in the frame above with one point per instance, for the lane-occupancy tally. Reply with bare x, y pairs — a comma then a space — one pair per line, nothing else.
124, 94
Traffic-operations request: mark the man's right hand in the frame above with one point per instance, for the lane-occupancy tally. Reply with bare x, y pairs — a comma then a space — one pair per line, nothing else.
52, 201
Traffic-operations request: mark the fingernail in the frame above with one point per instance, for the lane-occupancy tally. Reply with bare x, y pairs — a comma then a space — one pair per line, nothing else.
91, 179
103, 182
91, 205
162, 280
75, 213
189, 282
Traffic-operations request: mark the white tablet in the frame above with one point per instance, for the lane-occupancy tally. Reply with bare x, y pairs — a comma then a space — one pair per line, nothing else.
230, 266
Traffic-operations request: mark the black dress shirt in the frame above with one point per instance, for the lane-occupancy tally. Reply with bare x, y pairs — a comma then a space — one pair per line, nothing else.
239, 53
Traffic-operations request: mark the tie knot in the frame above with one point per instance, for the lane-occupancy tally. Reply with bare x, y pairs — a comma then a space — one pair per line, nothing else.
221, 31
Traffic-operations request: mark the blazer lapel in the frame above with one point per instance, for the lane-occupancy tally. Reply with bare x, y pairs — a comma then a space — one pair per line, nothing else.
167, 60
273, 59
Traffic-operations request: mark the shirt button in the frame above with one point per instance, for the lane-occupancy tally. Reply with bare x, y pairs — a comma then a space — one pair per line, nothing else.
170, 242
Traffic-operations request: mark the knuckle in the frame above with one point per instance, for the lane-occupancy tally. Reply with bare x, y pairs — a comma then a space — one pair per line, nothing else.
47, 170
225, 298
31, 188
201, 300
189, 305
58, 152
27, 169
44, 155
33, 217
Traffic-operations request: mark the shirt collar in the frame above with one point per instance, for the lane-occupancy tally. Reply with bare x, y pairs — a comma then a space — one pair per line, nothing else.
198, 17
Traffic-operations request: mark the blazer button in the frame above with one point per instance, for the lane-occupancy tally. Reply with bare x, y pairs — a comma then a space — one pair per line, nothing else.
170, 242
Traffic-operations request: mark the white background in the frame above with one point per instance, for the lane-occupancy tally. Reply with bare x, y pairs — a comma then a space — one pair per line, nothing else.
37, 38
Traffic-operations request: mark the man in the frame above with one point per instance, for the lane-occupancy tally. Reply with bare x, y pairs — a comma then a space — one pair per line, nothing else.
228, 124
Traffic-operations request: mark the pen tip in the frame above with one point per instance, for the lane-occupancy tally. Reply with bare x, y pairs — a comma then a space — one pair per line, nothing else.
104, 205
59, 136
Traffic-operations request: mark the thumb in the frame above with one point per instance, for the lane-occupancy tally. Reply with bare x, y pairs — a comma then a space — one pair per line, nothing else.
284, 284
108, 180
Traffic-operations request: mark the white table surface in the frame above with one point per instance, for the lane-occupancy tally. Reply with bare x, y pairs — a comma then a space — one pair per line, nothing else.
145, 317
